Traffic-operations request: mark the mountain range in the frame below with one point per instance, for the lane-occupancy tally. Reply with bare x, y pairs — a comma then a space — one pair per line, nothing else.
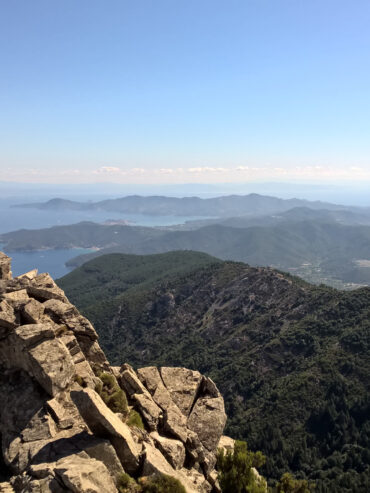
320, 242
225, 206
326, 246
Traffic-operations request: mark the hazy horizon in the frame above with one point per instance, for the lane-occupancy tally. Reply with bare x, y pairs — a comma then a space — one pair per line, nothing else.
355, 194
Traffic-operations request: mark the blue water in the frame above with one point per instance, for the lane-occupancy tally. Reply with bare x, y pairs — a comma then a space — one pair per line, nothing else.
12, 218
53, 261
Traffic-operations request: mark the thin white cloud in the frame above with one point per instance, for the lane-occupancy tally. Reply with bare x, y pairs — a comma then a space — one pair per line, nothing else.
211, 174
107, 169
208, 169
136, 171
166, 171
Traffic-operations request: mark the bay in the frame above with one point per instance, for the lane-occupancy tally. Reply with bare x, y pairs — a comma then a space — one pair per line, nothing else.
12, 219
53, 261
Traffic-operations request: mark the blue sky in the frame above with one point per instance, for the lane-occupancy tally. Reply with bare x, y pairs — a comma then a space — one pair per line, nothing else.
178, 91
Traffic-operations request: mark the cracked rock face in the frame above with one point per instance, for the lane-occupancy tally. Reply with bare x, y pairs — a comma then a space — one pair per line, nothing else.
57, 433
5, 269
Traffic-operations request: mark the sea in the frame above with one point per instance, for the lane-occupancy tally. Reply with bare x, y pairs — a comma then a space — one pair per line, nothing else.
53, 261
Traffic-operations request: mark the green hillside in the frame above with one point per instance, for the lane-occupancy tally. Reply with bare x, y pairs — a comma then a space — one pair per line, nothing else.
81, 235
108, 276
292, 360
320, 249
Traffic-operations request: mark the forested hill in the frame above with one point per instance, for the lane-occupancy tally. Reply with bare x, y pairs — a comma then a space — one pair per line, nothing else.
292, 360
318, 251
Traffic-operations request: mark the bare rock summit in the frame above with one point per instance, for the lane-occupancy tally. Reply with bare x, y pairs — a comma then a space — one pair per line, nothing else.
69, 422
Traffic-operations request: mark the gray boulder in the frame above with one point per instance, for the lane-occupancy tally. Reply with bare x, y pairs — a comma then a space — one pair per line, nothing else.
104, 423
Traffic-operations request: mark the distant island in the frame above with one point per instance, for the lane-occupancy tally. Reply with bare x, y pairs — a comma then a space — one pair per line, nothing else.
225, 206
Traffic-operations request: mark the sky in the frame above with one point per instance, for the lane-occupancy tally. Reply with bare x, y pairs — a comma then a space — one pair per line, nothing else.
182, 91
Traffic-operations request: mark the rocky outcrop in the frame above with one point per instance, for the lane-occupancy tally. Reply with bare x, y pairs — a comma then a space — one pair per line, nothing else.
103, 422
5, 269
59, 429
84, 474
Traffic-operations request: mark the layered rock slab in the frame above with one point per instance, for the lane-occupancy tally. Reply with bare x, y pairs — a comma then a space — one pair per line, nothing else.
103, 422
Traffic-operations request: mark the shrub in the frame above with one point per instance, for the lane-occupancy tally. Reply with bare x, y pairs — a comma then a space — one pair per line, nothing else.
162, 483
108, 380
117, 402
79, 380
111, 393
99, 388
125, 484
288, 484
134, 419
236, 473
